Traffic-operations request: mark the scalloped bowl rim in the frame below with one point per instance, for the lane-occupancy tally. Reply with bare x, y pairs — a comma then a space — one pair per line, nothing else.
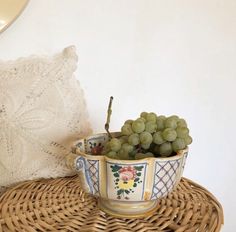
179, 154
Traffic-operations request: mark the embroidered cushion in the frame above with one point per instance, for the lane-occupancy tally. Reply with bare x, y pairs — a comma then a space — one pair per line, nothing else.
42, 112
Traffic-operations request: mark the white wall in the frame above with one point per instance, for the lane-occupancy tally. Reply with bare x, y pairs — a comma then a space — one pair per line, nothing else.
171, 57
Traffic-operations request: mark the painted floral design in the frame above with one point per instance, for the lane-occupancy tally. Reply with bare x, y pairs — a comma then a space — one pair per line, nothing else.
126, 179
96, 147
127, 173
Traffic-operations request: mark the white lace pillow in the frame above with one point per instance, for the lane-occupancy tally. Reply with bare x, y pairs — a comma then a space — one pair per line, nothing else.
42, 112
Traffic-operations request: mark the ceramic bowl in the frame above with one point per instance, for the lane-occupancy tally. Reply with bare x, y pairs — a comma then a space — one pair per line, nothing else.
125, 188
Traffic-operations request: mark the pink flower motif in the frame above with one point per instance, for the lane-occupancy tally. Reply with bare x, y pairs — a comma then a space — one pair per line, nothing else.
127, 173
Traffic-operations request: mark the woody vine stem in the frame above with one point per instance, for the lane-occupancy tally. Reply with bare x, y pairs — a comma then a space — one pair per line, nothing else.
109, 111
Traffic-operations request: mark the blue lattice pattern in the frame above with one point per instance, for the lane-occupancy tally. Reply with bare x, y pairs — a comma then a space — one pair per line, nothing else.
93, 170
165, 177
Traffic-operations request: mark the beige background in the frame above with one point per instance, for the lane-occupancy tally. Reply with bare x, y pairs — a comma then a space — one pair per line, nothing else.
171, 57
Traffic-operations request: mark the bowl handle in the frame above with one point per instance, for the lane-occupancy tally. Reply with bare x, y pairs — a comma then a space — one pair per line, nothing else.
77, 163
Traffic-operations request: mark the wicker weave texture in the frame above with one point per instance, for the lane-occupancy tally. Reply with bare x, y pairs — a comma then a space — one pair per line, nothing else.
61, 205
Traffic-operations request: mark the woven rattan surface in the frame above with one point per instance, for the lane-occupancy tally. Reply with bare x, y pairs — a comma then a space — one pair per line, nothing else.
61, 205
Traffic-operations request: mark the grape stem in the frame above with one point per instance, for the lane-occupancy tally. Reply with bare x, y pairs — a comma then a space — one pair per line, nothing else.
109, 111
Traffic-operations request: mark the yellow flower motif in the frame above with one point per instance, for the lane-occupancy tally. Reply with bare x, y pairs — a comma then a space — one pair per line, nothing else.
125, 185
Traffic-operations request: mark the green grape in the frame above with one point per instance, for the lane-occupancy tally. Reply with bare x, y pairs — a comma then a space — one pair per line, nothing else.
129, 121
169, 134
182, 132
127, 147
133, 139
160, 123
156, 134
175, 117
146, 146
162, 117
178, 144
150, 126
141, 119
149, 154
112, 155
138, 126
143, 114
126, 129
188, 140
170, 123
140, 156
151, 148
151, 117
123, 139
145, 138
106, 148
105, 151
123, 155
115, 144
165, 149
157, 138
132, 154
156, 150
181, 123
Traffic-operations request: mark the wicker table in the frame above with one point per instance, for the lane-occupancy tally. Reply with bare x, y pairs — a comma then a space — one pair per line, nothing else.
61, 205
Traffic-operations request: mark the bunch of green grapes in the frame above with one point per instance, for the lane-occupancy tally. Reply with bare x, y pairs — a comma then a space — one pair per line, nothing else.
149, 136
